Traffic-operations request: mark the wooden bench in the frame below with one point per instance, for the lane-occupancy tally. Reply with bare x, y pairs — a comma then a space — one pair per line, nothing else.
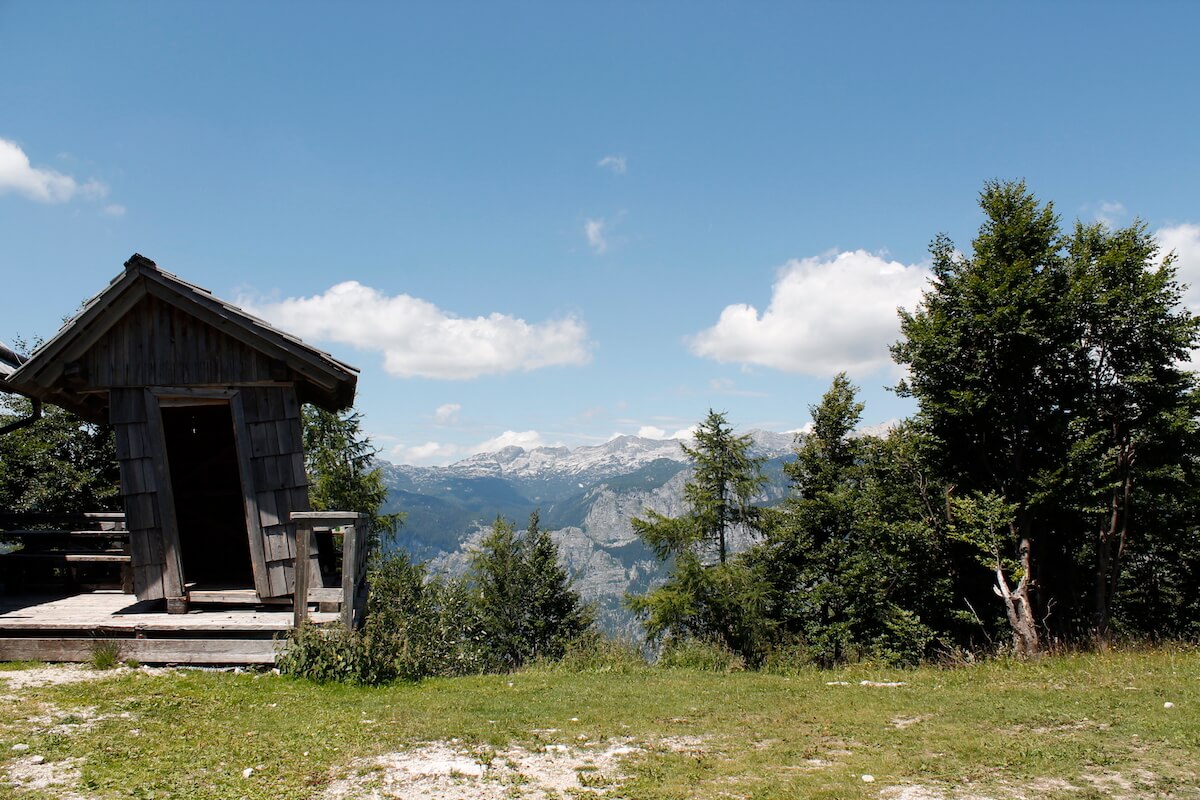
65, 551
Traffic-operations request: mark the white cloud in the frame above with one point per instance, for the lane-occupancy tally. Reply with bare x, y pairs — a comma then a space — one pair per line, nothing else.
447, 413
729, 386
594, 230
615, 163
525, 439
1185, 241
18, 175
827, 314
423, 455
1109, 213
418, 339
686, 434
114, 210
651, 432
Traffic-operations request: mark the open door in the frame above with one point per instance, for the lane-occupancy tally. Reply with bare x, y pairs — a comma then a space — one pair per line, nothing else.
209, 500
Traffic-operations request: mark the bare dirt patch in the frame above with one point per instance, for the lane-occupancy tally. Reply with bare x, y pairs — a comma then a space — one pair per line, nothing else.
54, 674
32, 773
452, 771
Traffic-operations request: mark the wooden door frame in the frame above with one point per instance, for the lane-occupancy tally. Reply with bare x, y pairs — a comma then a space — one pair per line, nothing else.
180, 397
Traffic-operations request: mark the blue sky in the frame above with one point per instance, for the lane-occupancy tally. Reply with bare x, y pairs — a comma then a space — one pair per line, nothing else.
548, 223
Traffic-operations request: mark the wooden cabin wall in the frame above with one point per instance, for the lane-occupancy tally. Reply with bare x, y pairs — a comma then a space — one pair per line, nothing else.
271, 416
149, 514
159, 344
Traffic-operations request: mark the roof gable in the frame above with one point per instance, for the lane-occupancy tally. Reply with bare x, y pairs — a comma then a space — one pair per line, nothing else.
146, 308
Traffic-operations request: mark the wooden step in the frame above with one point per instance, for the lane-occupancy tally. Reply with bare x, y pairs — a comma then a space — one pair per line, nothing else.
146, 651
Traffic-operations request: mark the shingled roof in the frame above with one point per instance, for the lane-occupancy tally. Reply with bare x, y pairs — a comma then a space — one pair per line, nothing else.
49, 373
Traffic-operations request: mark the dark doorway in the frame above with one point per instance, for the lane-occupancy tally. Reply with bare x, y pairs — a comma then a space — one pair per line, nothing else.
209, 505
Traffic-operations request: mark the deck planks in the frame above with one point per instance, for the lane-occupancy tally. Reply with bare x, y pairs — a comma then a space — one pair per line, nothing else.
66, 628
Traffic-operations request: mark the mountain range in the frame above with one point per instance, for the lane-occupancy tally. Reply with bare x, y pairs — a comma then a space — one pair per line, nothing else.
585, 496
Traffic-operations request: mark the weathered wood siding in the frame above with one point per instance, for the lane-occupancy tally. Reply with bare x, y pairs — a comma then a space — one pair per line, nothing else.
146, 490
277, 481
158, 344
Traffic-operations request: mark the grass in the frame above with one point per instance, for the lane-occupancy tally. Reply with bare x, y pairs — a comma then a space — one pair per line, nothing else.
985, 729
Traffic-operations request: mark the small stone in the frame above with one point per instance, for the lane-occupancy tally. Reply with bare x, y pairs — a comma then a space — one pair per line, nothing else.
1168, 704
868, 778
573, 719
247, 772
37, 760
20, 748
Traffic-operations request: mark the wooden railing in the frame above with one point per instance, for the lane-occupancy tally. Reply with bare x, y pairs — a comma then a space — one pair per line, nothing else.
355, 538
72, 549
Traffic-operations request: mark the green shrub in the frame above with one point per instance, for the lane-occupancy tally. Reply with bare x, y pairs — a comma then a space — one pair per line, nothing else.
595, 652
700, 654
524, 602
416, 627
323, 654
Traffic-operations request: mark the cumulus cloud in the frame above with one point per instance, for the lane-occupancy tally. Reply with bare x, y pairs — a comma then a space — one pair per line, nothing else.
18, 175
595, 231
827, 314
423, 455
114, 210
447, 413
651, 432
615, 163
685, 434
418, 339
1184, 240
525, 439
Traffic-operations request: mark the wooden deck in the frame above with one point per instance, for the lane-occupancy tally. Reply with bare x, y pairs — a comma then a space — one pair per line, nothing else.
67, 627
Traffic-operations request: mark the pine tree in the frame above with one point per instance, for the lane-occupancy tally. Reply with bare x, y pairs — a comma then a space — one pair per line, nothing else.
709, 595
523, 597
339, 460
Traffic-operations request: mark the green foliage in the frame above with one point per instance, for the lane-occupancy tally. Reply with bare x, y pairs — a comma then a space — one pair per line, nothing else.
58, 464
982, 522
727, 603
338, 458
723, 601
323, 654
1046, 366
417, 626
850, 557
516, 606
595, 652
700, 654
523, 597
725, 478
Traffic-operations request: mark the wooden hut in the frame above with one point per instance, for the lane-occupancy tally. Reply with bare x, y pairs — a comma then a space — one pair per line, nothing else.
205, 401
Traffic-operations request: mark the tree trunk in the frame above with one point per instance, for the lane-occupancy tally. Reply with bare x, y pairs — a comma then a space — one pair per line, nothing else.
1026, 642
1110, 544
